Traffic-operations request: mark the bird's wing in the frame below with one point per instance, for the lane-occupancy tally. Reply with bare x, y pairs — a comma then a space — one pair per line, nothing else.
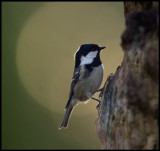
75, 79
78, 75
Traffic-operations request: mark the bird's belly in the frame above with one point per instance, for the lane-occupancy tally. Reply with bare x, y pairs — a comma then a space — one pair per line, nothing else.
89, 85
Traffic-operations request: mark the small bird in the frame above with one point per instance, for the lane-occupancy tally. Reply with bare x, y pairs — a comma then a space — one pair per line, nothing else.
87, 77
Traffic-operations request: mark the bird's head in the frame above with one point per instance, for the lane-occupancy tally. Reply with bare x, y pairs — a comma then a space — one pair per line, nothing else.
87, 54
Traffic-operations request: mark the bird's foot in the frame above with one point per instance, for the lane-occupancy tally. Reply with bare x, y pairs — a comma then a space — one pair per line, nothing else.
102, 89
101, 92
98, 106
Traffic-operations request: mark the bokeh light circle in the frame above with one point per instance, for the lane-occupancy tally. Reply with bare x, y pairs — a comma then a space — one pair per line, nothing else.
49, 40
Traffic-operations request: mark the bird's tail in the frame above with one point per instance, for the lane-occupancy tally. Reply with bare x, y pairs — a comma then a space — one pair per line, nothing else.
66, 117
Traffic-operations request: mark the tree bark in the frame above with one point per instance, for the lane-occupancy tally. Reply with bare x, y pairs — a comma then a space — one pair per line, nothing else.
128, 114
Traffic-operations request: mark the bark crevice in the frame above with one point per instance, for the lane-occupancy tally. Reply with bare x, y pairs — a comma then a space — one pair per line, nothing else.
129, 112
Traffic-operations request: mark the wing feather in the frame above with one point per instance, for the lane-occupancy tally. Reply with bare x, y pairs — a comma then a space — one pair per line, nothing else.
75, 79
79, 74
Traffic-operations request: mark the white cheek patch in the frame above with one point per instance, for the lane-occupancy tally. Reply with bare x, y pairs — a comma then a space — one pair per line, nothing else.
88, 58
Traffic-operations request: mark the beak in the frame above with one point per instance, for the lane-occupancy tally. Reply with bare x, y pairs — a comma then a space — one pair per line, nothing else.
102, 48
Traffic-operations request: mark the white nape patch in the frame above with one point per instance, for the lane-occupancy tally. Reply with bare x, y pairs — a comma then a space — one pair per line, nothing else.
88, 58
76, 53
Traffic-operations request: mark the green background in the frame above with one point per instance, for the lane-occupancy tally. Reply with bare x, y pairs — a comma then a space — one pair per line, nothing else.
39, 40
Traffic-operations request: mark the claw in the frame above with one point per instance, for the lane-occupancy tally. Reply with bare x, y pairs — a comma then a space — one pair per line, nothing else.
101, 93
98, 106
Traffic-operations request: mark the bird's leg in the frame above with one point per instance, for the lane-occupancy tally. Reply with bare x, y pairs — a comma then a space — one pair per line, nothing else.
97, 91
97, 107
108, 79
95, 99
101, 92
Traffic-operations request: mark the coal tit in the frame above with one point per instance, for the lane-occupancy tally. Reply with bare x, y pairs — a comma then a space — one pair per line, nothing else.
87, 77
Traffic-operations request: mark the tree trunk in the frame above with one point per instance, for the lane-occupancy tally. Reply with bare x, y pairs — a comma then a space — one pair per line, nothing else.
128, 113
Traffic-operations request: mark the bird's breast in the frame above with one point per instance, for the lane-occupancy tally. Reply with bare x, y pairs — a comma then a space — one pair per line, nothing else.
89, 84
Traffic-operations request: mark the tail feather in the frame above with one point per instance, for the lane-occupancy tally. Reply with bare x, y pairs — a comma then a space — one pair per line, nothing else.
66, 117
